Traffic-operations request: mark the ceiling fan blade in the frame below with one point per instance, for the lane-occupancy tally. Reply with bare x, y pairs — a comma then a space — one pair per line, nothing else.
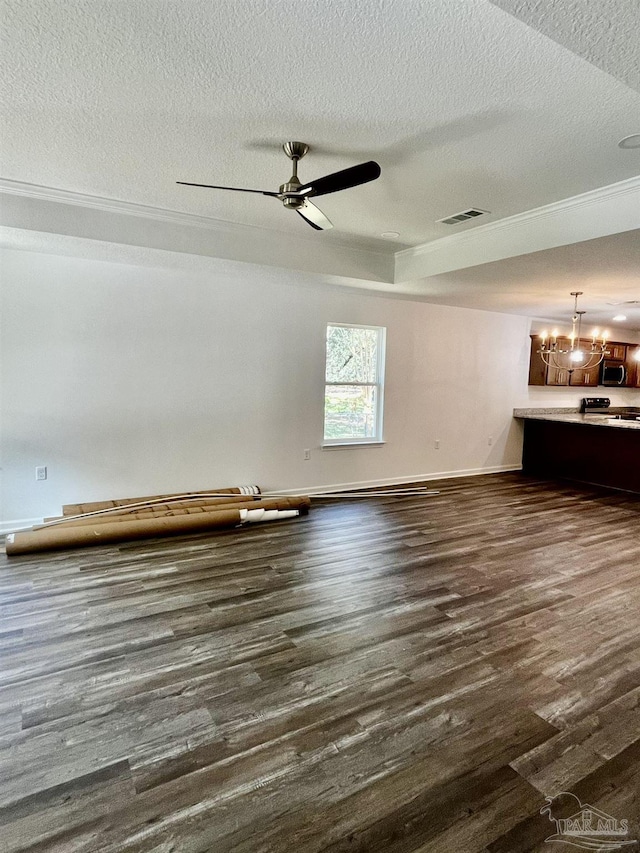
344, 180
314, 216
235, 189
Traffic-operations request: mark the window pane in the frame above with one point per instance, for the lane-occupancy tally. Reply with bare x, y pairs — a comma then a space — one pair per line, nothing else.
352, 354
349, 412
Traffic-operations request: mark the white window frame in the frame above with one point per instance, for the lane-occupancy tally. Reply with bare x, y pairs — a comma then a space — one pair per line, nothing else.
378, 385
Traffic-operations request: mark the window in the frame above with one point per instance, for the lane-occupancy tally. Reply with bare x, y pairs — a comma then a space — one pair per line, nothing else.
354, 379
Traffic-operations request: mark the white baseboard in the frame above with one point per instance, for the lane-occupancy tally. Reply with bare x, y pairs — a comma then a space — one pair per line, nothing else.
397, 481
17, 524
22, 523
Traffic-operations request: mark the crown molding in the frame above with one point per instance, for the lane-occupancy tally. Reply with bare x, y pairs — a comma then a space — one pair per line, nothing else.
46, 210
159, 214
596, 213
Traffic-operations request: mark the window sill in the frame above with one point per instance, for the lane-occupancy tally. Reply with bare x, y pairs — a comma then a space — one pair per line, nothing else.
344, 445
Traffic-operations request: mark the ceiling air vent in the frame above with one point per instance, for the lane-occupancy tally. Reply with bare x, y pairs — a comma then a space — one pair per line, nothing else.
457, 218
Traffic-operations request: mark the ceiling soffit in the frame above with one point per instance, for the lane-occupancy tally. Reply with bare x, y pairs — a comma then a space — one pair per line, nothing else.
608, 211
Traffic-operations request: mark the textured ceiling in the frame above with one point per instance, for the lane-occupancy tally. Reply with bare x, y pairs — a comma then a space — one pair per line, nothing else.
506, 105
604, 32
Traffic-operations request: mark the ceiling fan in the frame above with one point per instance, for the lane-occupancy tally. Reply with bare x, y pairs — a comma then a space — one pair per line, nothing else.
295, 195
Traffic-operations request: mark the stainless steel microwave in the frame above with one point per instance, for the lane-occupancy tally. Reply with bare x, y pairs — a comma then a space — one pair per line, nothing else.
613, 373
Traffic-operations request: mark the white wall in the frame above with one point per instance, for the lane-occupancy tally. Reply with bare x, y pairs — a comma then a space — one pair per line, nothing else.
127, 379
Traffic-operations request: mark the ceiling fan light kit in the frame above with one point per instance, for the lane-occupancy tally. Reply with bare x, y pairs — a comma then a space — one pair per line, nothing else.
295, 196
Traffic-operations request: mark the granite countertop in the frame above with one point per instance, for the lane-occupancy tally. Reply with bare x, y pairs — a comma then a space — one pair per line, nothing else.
573, 416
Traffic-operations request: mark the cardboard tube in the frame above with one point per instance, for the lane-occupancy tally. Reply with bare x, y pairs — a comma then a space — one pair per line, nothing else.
54, 538
77, 535
142, 510
298, 502
78, 509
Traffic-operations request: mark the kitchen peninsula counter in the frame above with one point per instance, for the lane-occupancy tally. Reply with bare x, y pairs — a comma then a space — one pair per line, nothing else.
572, 416
589, 448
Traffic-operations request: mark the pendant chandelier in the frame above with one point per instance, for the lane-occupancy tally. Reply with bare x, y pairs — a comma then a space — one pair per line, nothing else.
574, 352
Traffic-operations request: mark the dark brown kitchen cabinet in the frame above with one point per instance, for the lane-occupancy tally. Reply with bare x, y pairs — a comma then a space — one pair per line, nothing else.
633, 366
585, 377
616, 351
540, 374
590, 453
537, 367
557, 376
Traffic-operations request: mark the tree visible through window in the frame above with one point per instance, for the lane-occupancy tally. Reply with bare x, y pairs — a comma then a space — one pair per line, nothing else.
354, 384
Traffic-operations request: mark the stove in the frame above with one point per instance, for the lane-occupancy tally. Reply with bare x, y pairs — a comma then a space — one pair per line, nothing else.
595, 405
600, 406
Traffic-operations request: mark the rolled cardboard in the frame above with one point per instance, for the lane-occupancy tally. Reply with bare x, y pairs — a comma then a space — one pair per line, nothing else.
54, 538
78, 509
142, 509
74, 535
298, 502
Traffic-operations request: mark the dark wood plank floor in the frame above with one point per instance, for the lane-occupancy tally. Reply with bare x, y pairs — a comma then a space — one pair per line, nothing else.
393, 675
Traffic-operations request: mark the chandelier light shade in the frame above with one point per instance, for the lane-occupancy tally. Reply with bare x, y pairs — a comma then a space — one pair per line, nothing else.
574, 352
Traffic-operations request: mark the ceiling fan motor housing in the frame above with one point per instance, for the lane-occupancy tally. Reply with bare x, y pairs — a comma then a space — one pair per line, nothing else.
292, 186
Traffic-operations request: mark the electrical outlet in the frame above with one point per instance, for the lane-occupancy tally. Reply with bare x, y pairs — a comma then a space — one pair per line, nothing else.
436, 444
41, 472
307, 454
